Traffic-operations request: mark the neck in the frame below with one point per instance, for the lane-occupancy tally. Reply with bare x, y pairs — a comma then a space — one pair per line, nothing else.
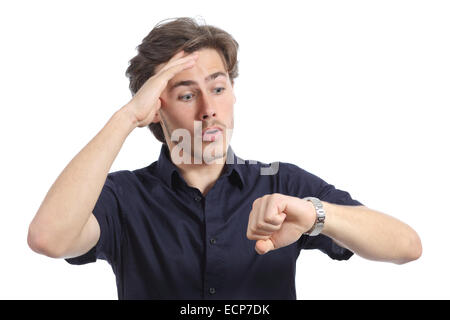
201, 176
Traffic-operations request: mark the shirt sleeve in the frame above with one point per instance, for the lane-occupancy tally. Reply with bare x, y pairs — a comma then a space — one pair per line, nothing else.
306, 184
329, 193
107, 213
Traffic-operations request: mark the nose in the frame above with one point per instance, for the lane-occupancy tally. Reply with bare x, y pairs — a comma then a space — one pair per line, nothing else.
207, 110
208, 114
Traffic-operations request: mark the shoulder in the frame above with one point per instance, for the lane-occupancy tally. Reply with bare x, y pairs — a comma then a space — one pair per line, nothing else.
129, 179
285, 176
277, 169
295, 180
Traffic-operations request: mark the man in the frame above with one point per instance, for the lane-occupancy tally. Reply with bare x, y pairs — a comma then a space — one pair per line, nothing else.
200, 222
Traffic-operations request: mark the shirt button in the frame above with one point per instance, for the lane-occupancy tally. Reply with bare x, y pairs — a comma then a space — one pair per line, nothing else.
197, 198
212, 241
212, 290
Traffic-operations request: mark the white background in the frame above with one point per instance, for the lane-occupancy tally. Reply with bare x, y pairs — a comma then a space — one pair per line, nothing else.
356, 92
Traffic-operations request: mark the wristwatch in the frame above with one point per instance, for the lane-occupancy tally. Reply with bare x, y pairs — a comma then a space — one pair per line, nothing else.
320, 217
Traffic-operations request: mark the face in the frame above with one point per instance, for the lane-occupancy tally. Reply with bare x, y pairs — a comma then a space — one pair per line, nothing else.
196, 99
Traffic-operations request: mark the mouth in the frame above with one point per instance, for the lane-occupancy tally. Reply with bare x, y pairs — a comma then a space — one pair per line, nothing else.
211, 134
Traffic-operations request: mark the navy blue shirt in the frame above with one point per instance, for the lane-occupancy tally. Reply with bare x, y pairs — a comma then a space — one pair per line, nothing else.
165, 240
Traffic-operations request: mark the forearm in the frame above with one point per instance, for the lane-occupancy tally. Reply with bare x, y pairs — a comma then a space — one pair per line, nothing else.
72, 197
371, 234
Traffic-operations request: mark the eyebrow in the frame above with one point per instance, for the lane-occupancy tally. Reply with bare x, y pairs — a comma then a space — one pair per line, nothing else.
191, 82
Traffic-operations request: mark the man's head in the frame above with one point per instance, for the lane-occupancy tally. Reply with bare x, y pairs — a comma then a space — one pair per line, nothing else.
208, 95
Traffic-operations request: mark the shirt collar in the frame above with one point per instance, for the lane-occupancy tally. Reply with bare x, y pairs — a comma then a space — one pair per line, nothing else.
166, 168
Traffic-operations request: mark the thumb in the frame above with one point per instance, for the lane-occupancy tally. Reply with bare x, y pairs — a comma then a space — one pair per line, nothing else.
264, 246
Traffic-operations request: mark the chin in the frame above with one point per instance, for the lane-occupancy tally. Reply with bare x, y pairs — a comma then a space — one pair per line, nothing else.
214, 152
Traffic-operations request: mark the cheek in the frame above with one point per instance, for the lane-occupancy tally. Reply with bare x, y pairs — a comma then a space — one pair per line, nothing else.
227, 107
183, 117
225, 102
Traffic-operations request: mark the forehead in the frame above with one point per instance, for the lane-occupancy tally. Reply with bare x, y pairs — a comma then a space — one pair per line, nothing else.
208, 61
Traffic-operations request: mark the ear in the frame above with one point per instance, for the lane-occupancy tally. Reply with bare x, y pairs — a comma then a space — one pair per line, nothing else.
156, 118
232, 87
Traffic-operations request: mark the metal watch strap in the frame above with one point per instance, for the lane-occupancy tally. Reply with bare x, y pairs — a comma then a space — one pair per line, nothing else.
320, 217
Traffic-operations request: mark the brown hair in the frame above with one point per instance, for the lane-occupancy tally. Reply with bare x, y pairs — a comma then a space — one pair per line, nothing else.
166, 39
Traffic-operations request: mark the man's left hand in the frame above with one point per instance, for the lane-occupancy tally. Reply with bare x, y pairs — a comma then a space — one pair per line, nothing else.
277, 220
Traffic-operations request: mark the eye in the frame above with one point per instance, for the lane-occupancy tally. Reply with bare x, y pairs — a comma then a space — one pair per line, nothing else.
223, 89
186, 95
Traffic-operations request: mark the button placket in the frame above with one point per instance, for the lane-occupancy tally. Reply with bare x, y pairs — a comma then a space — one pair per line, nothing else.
214, 266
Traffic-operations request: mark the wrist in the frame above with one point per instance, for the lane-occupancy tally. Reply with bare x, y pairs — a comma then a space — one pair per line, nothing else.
126, 116
328, 207
319, 213
312, 216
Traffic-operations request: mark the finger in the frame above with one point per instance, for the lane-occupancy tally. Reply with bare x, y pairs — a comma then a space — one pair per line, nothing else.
276, 219
258, 237
184, 59
268, 227
252, 230
177, 55
172, 71
254, 233
261, 232
264, 246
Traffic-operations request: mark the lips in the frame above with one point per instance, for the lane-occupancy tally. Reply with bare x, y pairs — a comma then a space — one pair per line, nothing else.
211, 130
211, 133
